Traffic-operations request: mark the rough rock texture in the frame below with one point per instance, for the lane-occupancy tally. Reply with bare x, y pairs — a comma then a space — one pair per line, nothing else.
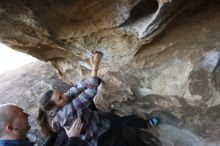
172, 73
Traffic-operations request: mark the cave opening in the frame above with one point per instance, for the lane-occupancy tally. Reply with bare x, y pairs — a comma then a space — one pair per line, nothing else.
11, 59
144, 8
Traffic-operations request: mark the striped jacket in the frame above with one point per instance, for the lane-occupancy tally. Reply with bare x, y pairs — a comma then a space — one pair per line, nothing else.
81, 95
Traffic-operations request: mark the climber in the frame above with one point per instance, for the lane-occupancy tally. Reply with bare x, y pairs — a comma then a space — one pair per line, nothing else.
59, 110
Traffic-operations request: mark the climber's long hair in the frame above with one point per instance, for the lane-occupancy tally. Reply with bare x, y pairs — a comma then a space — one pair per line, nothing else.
45, 106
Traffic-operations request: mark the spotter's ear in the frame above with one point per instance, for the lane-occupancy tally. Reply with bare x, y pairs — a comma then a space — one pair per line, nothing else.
9, 128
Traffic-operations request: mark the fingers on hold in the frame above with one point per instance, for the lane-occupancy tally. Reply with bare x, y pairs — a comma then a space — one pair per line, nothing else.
96, 52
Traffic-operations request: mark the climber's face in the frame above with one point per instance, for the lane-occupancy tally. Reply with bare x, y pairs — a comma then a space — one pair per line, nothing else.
58, 98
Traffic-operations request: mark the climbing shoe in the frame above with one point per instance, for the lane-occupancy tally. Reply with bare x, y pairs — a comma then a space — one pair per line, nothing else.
152, 122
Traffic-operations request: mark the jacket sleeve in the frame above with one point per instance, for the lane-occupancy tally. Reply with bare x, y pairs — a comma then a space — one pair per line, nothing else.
76, 141
77, 89
84, 99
